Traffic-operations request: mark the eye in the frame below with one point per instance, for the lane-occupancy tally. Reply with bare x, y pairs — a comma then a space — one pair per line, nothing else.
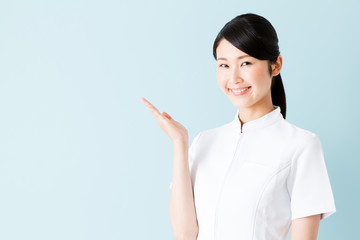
247, 63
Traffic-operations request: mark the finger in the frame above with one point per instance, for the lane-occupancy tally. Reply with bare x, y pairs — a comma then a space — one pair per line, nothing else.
164, 114
167, 115
152, 108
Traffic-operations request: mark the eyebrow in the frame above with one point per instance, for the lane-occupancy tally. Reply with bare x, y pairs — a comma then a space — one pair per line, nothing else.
240, 57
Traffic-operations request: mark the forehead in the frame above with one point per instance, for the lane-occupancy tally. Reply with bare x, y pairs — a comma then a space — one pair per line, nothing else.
227, 50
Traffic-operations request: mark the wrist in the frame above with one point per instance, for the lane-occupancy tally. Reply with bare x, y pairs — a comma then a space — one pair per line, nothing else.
181, 143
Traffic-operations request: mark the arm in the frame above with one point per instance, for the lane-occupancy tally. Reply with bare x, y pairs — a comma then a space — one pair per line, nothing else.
182, 207
305, 228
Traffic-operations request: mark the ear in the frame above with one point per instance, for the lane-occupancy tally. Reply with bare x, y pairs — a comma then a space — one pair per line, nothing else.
276, 67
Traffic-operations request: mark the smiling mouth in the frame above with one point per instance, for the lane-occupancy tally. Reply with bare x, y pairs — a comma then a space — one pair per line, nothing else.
239, 91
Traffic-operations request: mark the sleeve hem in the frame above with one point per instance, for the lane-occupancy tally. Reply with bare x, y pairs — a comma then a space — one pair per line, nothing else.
324, 214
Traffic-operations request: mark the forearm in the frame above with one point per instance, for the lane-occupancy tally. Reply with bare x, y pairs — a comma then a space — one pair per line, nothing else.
182, 207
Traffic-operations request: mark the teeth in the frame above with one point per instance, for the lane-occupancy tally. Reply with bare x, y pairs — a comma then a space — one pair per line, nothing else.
239, 91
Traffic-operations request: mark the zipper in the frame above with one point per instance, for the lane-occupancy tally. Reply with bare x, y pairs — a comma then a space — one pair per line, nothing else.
241, 136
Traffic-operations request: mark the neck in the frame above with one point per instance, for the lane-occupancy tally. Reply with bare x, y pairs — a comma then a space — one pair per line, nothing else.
253, 112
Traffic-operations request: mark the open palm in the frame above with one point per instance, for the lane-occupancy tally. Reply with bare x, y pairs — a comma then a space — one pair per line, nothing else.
172, 128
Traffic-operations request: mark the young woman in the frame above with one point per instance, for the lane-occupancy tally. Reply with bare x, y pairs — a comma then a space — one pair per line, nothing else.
258, 175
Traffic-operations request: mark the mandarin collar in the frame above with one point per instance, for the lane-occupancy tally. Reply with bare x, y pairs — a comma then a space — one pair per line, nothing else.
261, 122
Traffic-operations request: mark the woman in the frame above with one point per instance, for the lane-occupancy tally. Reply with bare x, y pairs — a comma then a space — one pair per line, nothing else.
259, 175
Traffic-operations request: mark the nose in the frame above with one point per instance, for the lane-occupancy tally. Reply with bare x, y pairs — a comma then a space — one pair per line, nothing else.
235, 75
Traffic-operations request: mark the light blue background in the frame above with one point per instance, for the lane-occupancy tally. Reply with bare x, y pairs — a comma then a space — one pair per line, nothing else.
82, 158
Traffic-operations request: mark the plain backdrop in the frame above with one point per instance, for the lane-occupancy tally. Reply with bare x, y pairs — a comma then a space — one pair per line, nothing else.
81, 157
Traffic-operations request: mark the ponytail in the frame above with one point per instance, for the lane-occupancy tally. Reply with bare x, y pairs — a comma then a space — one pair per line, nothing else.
278, 94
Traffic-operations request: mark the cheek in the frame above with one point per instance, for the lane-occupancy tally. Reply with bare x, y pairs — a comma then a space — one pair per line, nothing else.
221, 79
259, 77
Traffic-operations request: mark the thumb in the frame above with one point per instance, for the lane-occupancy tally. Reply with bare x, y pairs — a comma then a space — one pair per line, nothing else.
166, 115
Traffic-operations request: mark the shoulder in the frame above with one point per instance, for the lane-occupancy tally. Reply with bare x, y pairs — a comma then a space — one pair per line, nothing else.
218, 131
299, 133
299, 137
215, 135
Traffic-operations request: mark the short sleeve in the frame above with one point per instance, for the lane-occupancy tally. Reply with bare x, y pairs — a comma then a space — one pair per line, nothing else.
191, 153
308, 182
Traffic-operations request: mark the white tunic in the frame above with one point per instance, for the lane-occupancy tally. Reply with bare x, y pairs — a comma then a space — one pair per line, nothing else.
250, 185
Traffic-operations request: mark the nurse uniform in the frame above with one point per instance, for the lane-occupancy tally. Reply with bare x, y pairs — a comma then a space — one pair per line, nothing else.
250, 185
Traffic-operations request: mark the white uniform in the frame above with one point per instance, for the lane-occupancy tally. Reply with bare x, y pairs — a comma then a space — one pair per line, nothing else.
251, 185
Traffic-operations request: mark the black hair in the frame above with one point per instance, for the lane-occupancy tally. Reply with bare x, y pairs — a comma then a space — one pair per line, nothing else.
254, 35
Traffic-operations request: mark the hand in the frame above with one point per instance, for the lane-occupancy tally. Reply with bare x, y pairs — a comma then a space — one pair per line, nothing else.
172, 128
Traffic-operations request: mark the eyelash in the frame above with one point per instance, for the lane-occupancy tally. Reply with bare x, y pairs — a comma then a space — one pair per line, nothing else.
241, 64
